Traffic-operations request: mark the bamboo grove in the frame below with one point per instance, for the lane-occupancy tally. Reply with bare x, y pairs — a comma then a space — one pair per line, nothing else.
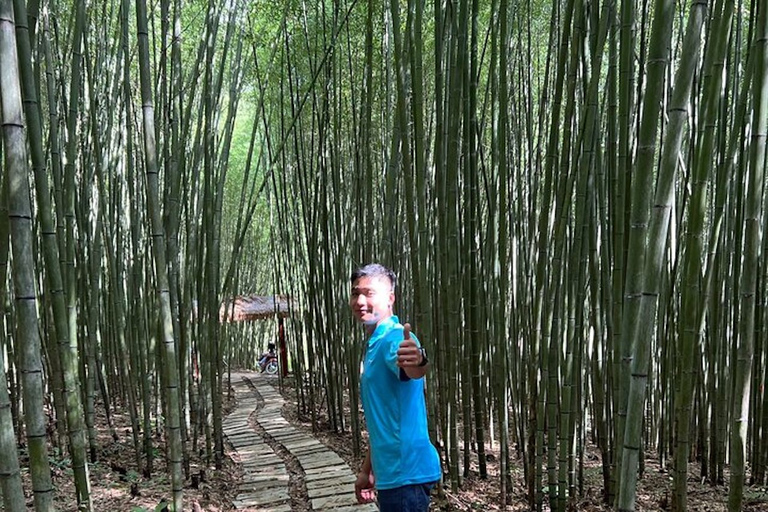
571, 192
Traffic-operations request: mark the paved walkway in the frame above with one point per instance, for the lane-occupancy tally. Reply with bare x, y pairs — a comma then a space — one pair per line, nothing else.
330, 482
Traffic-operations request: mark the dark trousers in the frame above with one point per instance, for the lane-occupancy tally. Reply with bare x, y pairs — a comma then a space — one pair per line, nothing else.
409, 498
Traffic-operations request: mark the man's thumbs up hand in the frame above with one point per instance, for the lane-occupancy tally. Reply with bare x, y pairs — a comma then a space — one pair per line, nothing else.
408, 354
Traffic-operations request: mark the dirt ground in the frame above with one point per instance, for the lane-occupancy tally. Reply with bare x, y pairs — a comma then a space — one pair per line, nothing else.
118, 485
476, 494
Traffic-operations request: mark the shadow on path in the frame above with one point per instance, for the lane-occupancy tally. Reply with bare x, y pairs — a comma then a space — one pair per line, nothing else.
328, 480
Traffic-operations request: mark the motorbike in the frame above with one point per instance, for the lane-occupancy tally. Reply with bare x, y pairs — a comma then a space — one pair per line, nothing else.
268, 363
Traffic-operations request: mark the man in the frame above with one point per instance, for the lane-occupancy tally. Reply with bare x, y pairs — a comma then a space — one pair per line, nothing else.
401, 462
266, 356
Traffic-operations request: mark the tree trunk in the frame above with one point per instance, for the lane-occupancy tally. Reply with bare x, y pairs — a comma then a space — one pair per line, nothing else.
23, 266
753, 213
168, 350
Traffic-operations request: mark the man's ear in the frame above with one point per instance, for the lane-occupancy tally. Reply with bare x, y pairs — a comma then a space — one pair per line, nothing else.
391, 299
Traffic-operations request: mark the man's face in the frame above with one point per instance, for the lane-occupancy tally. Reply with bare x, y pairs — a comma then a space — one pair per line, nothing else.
371, 299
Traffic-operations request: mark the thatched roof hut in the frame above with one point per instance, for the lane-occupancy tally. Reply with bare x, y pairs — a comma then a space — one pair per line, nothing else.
254, 307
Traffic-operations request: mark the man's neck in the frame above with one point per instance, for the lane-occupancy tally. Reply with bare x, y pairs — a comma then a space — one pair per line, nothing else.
369, 329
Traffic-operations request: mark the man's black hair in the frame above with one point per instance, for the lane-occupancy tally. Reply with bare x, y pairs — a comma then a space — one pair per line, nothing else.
374, 270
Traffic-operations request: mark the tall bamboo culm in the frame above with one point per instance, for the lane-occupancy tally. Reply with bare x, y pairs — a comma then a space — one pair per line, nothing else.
23, 264
168, 349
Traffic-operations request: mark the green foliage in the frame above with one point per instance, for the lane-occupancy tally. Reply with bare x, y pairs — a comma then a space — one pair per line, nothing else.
62, 464
755, 496
237, 160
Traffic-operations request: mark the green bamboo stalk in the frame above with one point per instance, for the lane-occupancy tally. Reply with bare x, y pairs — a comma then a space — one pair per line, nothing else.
499, 154
753, 211
94, 284
22, 268
577, 280
540, 317
450, 247
117, 245
74, 414
552, 324
10, 473
716, 266
420, 245
439, 151
620, 214
661, 33
69, 219
693, 300
762, 444
170, 365
172, 149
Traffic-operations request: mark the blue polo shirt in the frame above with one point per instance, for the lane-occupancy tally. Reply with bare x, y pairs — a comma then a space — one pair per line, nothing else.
396, 414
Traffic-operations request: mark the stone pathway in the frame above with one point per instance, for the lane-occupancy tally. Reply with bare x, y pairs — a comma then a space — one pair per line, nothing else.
330, 482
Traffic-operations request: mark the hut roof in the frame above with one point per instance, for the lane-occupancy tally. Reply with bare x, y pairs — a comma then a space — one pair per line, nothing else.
254, 307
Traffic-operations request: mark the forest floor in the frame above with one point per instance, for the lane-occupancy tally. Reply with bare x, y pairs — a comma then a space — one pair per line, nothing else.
118, 485
654, 491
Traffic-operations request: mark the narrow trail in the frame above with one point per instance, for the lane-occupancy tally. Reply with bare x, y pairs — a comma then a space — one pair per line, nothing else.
325, 480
